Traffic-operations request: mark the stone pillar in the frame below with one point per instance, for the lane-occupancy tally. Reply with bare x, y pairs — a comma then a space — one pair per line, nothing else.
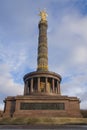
26, 88
46, 89
31, 85
56, 90
42, 59
53, 85
38, 84
58, 87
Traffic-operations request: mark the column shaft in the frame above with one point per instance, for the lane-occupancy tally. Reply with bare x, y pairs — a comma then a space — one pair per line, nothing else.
42, 60
26, 88
38, 84
53, 85
46, 89
32, 85
58, 86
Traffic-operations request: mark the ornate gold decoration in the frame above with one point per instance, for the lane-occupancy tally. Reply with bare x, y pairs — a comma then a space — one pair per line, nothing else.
43, 15
42, 86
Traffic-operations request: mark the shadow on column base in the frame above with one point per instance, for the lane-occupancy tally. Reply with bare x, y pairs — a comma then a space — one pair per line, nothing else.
43, 94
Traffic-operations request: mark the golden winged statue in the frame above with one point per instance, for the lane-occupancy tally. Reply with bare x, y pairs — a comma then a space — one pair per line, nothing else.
43, 15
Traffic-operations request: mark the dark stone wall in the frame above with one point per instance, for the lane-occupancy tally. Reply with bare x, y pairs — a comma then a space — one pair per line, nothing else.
1, 113
84, 113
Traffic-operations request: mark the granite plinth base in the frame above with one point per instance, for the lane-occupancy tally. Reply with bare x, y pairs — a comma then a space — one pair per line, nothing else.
42, 106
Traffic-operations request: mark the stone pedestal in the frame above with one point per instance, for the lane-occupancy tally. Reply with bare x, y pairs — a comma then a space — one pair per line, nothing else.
42, 105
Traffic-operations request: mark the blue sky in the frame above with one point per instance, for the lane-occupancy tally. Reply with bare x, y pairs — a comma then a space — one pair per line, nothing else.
67, 42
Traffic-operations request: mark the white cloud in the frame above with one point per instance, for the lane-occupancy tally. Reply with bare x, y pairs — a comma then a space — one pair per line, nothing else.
8, 87
7, 84
1, 106
80, 54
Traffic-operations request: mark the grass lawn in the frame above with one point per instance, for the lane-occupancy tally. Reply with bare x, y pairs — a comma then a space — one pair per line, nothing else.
42, 120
